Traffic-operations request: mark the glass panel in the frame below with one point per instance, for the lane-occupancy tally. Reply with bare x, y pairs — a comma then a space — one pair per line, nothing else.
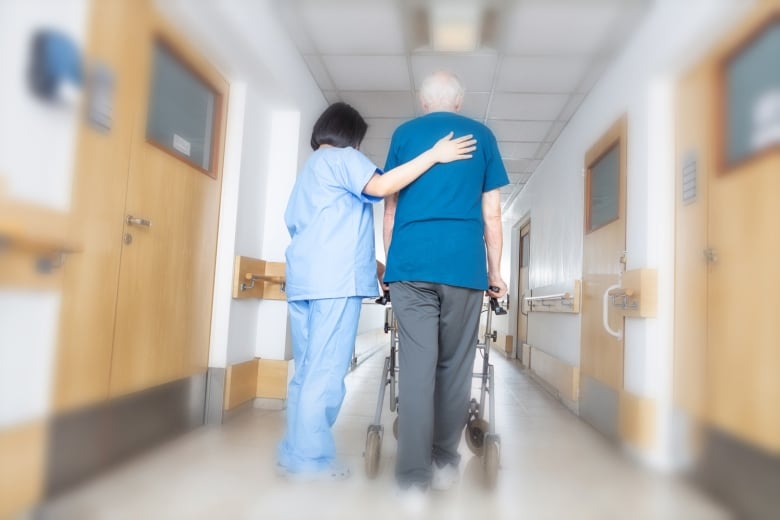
604, 186
753, 96
181, 110
525, 250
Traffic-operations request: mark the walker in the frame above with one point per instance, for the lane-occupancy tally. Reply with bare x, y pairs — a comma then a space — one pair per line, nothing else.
481, 436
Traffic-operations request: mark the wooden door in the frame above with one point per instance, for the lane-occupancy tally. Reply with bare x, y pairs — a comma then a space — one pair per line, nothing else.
166, 276
522, 289
730, 376
603, 260
99, 191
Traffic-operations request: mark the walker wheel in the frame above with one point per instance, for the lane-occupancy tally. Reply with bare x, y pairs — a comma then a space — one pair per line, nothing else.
395, 428
476, 429
373, 450
490, 462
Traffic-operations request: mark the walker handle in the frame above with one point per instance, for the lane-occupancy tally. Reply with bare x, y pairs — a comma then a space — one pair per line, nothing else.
384, 299
494, 305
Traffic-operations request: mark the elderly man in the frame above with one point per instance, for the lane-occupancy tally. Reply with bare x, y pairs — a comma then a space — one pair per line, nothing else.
436, 231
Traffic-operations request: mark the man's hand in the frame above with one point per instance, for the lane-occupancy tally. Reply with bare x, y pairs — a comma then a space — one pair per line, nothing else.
493, 282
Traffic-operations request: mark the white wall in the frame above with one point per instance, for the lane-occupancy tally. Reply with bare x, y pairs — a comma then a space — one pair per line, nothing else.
244, 38
36, 164
640, 84
282, 167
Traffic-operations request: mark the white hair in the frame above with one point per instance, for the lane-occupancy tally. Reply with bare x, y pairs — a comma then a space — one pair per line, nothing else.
441, 90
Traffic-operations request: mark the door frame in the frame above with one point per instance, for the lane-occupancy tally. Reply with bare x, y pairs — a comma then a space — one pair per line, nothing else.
517, 289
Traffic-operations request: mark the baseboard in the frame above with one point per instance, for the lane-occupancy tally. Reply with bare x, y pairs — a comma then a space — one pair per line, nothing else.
82, 443
240, 384
253, 381
637, 421
743, 477
272, 376
561, 376
22, 456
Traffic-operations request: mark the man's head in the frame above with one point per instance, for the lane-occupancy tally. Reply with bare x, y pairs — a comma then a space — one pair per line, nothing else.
441, 92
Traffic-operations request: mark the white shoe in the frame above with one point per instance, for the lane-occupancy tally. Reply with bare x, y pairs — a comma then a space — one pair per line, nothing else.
413, 501
445, 477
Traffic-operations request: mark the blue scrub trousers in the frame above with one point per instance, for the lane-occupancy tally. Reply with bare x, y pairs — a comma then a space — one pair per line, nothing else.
323, 335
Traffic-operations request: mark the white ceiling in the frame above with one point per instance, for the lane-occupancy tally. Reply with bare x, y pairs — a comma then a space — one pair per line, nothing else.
538, 60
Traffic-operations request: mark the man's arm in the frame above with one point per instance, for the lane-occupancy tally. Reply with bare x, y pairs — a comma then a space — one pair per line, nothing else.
391, 202
494, 239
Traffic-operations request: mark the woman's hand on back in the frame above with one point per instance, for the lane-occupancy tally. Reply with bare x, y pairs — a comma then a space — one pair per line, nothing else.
448, 149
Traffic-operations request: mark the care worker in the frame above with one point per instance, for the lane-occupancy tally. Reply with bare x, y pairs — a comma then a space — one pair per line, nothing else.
331, 267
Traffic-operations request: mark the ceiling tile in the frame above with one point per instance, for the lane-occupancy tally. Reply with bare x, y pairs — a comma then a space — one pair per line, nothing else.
520, 130
555, 130
571, 107
340, 27
368, 72
562, 27
382, 128
475, 71
375, 147
542, 150
319, 72
381, 104
521, 165
535, 107
516, 178
511, 150
475, 105
331, 97
547, 74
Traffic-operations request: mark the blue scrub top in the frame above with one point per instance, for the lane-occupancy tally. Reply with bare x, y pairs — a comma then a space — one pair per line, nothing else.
438, 234
331, 222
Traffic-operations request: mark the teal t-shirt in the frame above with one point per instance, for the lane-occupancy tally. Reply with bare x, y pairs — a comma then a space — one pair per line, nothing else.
438, 230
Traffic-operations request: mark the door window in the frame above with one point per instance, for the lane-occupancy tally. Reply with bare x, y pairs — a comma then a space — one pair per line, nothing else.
181, 111
752, 98
603, 189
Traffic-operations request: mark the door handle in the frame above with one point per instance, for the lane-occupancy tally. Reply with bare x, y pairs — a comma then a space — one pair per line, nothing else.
137, 221
605, 313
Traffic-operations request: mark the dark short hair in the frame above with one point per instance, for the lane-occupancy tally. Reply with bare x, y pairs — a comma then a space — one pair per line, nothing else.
340, 125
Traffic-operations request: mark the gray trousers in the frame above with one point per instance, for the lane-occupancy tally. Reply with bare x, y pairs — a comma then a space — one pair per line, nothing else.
438, 326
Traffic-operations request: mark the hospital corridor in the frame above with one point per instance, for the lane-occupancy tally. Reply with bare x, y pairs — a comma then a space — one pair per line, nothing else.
244, 269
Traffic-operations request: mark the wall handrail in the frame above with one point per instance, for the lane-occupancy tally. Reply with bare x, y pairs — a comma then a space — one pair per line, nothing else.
252, 278
558, 298
561, 296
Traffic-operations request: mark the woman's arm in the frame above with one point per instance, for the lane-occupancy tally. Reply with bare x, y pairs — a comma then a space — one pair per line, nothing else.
445, 150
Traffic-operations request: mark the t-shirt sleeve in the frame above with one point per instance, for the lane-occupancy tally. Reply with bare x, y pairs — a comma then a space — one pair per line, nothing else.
357, 170
392, 155
495, 172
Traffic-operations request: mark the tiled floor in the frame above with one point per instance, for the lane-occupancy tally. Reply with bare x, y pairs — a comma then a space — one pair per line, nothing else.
553, 467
